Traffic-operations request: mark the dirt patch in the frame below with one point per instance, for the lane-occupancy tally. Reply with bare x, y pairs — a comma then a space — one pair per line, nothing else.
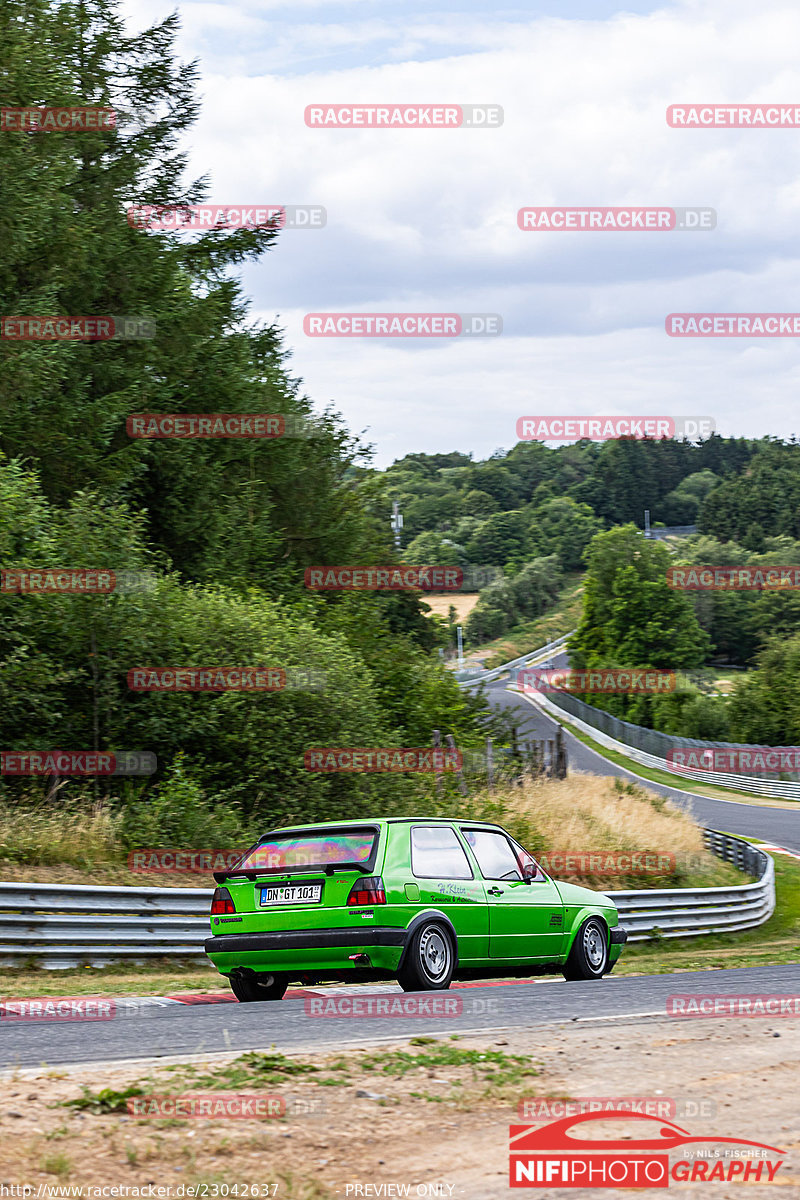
462, 602
403, 1114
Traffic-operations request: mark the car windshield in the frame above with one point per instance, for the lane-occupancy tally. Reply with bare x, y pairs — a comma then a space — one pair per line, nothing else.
314, 848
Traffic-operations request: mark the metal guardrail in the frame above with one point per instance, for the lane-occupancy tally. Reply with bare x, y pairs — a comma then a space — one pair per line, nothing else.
665, 531
757, 785
68, 926
687, 912
65, 926
468, 678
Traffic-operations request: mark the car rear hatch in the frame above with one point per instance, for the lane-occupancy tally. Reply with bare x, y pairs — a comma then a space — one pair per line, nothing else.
293, 879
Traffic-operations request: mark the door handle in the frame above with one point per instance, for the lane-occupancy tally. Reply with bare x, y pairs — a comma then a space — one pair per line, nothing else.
494, 891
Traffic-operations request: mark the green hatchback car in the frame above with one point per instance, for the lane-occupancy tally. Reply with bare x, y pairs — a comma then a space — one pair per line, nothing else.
417, 900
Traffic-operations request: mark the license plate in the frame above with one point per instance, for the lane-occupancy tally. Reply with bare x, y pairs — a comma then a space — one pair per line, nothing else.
292, 893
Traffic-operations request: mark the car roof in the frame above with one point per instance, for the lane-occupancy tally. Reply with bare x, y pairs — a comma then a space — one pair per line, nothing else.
355, 823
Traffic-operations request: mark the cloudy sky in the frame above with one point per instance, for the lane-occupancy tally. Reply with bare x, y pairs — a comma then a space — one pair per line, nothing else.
426, 220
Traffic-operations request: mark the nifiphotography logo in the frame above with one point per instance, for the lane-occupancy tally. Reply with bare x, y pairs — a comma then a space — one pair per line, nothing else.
562, 1155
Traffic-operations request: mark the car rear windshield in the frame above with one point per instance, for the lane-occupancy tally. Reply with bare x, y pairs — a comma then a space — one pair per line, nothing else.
313, 848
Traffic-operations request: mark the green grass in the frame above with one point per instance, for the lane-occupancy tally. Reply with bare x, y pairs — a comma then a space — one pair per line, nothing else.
157, 978
57, 1164
105, 1101
471, 1074
487, 1066
249, 1070
775, 942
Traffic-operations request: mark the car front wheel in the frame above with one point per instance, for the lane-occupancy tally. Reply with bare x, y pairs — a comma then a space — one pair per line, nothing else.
429, 961
247, 988
588, 958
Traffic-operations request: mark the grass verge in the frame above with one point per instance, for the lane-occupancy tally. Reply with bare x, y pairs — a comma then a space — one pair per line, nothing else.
162, 977
664, 777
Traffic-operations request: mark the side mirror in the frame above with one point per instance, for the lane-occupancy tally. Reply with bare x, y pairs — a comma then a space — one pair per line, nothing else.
529, 872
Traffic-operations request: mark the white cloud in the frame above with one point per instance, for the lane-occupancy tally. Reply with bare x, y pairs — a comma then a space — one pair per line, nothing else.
426, 220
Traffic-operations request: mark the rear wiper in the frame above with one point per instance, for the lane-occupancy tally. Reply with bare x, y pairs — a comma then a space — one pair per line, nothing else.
346, 866
253, 873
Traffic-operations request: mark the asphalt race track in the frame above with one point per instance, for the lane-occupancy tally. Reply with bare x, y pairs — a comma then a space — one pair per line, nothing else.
781, 826
153, 1032
285, 1026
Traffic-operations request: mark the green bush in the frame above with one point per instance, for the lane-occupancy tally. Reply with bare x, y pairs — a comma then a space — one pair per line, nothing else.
178, 813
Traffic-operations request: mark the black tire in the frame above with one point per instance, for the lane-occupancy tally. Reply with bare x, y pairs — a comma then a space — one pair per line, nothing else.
429, 960
588, 958
248, 988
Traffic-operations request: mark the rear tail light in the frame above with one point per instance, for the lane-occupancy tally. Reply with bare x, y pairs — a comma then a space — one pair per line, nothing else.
221, 901
369, 890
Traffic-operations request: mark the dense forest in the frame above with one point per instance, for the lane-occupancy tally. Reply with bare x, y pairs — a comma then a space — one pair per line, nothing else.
223, 529
537, 513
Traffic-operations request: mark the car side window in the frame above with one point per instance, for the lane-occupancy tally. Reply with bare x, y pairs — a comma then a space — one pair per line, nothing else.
525, 859
436, 853
493, 851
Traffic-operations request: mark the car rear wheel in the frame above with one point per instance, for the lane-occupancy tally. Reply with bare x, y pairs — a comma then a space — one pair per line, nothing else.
429, 961
588, 958
247, 988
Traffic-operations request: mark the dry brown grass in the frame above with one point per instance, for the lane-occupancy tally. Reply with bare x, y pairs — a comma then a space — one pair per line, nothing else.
592, 813
581, 814
587, 811
49, 834
462, 602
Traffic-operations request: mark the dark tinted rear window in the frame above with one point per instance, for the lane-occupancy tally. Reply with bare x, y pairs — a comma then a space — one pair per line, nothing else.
314, 848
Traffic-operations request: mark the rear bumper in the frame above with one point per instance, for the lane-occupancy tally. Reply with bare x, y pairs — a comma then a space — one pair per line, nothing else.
314, 951
304, 939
